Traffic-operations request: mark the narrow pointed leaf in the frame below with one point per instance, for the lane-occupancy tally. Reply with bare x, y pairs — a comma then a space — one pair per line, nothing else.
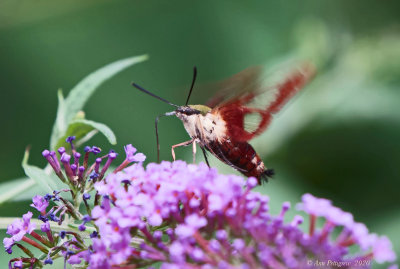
81, 128
12, 190
37, 174
60, 124
80, 94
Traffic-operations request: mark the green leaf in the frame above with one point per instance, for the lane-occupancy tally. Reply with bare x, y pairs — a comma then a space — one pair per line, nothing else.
12, 189
81, 128
60, 124
80, 94
37, 174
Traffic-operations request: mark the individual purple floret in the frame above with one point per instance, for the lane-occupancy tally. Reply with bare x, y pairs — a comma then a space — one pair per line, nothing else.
19, 227
18, 231
95, 150
131, 156
47, 155
69, 140
97, 164
61, 151
65, 160
18, 264
40, 203
77, 155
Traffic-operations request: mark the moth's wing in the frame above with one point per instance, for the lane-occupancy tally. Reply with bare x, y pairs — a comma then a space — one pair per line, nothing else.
248, 100
235, 86
214, 147
218, 152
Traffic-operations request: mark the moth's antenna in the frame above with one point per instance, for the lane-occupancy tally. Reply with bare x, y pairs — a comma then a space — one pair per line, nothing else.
152, 94
158, 143
191, 87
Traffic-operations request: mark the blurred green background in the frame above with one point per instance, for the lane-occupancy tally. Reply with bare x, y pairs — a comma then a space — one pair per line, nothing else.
339, 139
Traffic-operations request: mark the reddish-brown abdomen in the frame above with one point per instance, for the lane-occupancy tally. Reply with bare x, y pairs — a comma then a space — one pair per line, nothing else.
239, 155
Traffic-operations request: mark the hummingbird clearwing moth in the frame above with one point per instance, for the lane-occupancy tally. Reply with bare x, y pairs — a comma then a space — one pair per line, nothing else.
242, 108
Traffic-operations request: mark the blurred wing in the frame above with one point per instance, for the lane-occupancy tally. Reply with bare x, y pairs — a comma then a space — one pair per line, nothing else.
232, 88
248, 100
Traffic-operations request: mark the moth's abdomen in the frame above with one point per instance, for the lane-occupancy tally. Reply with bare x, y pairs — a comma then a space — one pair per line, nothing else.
241, 156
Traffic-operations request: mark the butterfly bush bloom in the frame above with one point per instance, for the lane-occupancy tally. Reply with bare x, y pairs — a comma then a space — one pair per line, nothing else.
79, 176
189, 216
181, 216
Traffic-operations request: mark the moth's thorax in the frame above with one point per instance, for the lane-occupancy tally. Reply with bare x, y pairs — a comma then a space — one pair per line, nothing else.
207, 127
202, 108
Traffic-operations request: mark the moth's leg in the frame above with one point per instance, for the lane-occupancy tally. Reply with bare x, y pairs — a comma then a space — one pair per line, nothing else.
205, 156
187, 143
194, 151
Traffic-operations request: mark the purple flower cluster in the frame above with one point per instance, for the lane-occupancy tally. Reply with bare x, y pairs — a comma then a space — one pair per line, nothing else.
352, 233
80, 176
189, 216
75, 173
49, 243
182, 216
